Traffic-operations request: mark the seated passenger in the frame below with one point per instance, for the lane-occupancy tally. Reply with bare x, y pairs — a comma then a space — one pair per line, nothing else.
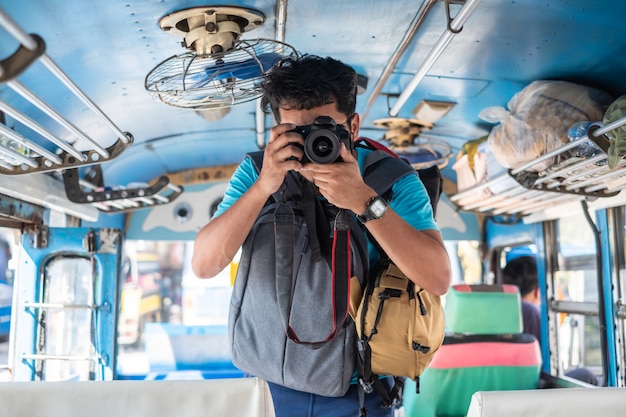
582, 374
522, 272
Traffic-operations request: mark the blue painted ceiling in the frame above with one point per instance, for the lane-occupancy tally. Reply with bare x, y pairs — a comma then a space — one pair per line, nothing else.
108, 48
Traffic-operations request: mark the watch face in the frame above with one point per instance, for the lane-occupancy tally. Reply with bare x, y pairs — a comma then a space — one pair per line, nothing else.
378, 208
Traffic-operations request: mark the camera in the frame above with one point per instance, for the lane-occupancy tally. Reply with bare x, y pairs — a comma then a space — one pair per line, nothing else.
323, 139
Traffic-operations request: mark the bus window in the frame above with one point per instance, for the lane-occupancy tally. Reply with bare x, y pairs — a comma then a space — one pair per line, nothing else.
69, 282
150, 287
575, 297
7, 270
170, 320
141, 299
465, 258
206, 301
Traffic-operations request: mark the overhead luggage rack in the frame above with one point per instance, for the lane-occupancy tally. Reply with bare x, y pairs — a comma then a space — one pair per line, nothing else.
56, 144
522, 191
22, 153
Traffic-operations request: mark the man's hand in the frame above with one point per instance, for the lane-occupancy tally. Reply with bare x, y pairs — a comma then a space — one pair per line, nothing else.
341, 182
282, 154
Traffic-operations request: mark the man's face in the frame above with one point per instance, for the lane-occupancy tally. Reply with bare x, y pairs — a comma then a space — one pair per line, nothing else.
306, 117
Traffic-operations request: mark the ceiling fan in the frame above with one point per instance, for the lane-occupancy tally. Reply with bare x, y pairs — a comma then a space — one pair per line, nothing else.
403, 135
219, 69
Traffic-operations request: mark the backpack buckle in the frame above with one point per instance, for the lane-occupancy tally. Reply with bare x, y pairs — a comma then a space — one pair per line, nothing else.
368, 387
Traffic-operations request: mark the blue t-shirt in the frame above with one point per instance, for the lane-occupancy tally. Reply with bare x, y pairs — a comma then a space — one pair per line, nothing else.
410, 199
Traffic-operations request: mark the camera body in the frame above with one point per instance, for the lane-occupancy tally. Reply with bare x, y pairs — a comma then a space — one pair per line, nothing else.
323, 139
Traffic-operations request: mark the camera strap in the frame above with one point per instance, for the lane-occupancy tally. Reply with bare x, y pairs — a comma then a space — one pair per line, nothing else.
316, 221
337, 255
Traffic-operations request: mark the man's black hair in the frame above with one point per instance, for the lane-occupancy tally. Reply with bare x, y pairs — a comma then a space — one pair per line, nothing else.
522, 272
309, 81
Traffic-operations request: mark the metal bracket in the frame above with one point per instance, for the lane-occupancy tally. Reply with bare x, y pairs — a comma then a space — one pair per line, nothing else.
15, 212
120, 200
449, 19
601, 140
40, 234
21, 59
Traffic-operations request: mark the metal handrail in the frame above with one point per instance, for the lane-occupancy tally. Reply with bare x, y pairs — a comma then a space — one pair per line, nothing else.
36, 158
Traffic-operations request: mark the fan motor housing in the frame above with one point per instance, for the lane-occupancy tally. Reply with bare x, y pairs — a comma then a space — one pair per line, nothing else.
211, 29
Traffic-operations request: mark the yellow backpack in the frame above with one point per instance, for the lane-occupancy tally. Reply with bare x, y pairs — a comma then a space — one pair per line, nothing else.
399, 326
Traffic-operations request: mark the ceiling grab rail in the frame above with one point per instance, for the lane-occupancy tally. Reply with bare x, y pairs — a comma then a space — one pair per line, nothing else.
31, 49
454, 27
416, 23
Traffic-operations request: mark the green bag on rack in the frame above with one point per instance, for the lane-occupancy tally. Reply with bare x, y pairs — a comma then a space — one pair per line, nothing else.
617, 149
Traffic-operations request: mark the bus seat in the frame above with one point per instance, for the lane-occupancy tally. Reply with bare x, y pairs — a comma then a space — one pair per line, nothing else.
484, 349
570, 402
236, 397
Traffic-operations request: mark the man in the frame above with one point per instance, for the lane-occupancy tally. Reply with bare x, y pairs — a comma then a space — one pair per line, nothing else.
298, 91
522, 272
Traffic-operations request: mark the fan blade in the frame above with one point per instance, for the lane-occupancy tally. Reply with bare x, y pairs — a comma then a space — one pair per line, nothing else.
200, 79
243, 70
250, 68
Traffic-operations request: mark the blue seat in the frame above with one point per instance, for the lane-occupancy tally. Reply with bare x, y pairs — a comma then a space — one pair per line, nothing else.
484, 350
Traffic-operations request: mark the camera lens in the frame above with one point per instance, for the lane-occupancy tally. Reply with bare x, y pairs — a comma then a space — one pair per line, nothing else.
322, 146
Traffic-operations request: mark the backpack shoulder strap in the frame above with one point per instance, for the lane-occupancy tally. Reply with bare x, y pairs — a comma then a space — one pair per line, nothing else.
433, 182
383, 168
257, 159
296, 188
374, 145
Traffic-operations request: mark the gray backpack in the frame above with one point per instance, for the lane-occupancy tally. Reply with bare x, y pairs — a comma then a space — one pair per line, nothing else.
289, 321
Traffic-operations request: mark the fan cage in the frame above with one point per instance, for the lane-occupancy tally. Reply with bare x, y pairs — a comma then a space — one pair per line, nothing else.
216, 81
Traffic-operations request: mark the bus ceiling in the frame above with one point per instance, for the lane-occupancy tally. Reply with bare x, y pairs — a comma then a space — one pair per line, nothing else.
125, 107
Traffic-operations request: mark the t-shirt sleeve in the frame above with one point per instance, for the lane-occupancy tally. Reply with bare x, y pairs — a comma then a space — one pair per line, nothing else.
242, 179
411, 201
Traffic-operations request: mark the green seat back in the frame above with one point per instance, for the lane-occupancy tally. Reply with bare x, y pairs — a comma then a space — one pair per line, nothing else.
484, 350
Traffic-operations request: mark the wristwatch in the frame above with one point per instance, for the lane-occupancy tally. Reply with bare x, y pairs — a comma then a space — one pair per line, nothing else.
375, 209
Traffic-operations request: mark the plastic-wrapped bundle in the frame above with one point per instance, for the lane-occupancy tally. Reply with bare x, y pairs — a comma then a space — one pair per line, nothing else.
539, 118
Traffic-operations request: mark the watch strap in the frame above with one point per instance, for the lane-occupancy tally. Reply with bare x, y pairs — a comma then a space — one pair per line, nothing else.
368, 214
